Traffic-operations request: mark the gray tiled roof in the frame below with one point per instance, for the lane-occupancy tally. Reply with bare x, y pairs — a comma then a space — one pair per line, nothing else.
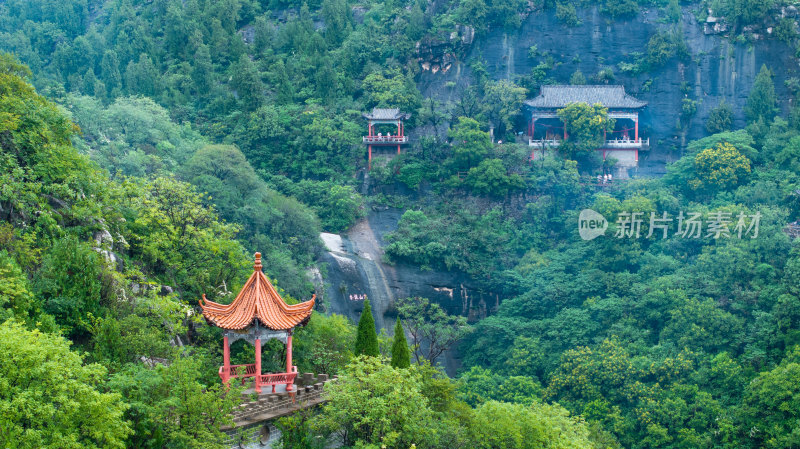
559, 96
386, 114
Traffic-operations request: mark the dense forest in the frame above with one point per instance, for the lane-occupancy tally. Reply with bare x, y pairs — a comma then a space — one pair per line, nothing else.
148, 148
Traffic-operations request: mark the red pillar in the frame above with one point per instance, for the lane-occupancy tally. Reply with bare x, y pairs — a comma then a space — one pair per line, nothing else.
371, 133
398, 128
226, 360
369, 164
258, 365
289, 358
533, 127
636, 129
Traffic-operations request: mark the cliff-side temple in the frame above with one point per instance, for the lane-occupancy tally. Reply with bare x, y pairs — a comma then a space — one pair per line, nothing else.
546, 130
379, 139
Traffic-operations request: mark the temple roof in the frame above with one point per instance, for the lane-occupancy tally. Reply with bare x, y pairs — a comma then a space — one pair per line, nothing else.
257, 300
559, 96
386, 114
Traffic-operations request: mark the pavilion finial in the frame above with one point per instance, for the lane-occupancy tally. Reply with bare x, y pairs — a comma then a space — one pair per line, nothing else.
257, 266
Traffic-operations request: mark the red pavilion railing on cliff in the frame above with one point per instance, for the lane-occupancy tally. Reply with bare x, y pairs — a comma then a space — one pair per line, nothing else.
385, 139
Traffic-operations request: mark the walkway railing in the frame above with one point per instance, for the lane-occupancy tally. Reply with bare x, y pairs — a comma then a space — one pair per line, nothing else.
627, 143
611, 143
552, 143
385, 139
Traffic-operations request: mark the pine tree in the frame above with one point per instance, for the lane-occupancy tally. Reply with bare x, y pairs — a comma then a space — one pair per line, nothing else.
366, 338
762, 100
401, 356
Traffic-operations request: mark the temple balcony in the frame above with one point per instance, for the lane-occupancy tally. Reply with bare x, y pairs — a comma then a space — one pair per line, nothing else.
385, 139
613, 143
627, 143
544, 143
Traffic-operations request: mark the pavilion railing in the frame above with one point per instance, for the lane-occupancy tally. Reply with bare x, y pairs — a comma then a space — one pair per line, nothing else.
235, 371
627, 143
277, 379
385, 139
611, 143
545, 142
246, 371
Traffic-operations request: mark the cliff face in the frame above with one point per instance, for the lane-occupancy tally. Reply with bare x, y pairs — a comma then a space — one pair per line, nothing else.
354, 264
718, 69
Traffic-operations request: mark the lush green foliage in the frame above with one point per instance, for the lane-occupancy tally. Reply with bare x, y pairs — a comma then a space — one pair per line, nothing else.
50, 399
428, 323
375, 405
207, 130
586, 126
720, 119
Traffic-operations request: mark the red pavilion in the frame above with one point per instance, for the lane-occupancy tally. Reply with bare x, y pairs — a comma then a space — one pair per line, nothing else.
257, 314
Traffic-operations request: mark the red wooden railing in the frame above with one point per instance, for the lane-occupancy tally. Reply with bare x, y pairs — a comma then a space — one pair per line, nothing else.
264, 379
278, 379
233, 371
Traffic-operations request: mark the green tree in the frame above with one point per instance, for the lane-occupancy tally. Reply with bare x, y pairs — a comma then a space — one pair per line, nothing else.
502, 103
373, 404
472, 12
109, 71
401, 357
178, 239
772, 403
246, 81
325, 345
16, 299
430, 325
297, 432
585, 125
470, 144
70, 284
577, 78
366, 337
490, 177
50, 399
171, 408
721, 167
720, 119
391, 89
762, 102
513, 426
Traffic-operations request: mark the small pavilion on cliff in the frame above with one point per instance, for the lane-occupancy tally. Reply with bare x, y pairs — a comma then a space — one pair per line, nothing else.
379, 117
257, 314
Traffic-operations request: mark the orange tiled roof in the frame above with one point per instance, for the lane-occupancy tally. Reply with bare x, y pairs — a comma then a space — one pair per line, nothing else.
257, 300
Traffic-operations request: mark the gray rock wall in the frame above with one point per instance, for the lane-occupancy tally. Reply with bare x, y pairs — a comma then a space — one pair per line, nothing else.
718, 69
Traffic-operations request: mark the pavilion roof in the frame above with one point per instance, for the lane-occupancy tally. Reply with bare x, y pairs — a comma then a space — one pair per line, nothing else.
386, 114
559, 96
258, 300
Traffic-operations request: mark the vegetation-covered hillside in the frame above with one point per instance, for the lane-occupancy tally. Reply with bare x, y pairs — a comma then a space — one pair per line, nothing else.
148, 148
